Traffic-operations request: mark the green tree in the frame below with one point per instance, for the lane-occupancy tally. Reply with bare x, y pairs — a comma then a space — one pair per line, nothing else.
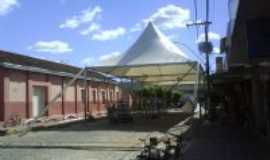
176, 97
168, 98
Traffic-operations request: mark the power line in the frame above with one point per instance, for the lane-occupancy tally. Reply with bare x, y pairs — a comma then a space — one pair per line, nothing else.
206, 47
213, 10
196, 16
201, 60
195, 5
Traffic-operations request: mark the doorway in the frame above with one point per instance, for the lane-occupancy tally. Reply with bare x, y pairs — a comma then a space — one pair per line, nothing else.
39, 100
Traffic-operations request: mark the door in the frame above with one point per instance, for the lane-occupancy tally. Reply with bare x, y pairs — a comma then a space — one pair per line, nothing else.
38, 100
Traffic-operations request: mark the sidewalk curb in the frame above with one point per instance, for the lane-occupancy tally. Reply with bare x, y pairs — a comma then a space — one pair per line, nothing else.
41, 127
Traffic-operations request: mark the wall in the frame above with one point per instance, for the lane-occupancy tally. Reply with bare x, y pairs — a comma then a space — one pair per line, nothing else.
238, 51
55, 88
98, 108
2, 107
94, 104
69, 98
16, 95
80, 101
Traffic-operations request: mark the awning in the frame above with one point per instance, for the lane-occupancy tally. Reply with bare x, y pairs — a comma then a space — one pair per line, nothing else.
159, 74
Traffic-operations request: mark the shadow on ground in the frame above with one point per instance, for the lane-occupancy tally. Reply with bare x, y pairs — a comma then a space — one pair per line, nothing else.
214, 141
140, 123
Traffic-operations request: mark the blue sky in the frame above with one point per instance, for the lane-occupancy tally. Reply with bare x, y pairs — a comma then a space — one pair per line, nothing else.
89, 31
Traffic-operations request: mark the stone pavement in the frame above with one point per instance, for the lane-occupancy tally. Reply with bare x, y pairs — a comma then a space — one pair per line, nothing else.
87, 140
216, 142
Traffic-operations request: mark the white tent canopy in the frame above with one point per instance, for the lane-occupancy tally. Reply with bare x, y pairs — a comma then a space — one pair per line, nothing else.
153, 59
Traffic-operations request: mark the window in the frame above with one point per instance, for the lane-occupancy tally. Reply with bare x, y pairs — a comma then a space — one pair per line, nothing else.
111, 96
117, 96
258, 38
103, 97
83, 96
94, 96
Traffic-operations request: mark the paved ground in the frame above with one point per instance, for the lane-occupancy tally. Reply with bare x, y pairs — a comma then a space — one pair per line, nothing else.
92, 141
217, 142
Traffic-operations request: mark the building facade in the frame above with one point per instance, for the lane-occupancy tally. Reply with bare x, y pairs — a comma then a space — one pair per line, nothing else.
27, 85
244, 85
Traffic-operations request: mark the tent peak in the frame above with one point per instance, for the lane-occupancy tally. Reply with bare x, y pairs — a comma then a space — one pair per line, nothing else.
150, 25
152, 47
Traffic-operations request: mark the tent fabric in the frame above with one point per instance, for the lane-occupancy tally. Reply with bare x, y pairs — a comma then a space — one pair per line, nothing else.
155, 73
152, 47
152, 59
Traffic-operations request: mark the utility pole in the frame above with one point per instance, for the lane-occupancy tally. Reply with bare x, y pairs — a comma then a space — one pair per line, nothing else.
206, 47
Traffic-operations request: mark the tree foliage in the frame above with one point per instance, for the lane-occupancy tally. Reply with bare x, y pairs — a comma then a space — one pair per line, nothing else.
151, 95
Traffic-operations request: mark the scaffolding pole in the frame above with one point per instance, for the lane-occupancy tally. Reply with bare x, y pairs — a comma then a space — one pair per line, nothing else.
85, 93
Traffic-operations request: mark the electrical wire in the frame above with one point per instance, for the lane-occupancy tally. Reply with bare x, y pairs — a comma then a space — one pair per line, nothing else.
195, 5
196, 16
213, 10
193, 52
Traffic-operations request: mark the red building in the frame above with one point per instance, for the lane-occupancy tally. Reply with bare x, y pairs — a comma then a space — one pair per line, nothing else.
27, 84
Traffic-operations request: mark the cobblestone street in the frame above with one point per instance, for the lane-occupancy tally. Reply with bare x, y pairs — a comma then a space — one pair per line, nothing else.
87, 140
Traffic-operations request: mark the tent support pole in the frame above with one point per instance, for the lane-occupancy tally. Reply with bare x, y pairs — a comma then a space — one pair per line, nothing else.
85, 93
196, 87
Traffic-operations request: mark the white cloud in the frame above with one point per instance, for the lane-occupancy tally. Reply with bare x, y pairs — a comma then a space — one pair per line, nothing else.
85, 16
109, 34
173, 37
166, 18
137, 27
190, 22
51, 47
216, 50
92, 28
169, 17
212, 36
88, 61
109, 56
7, 5
71, 23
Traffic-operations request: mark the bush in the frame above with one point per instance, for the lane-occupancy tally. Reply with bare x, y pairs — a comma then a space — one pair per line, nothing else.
168, 97
145, 92
176, 97
159, 92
